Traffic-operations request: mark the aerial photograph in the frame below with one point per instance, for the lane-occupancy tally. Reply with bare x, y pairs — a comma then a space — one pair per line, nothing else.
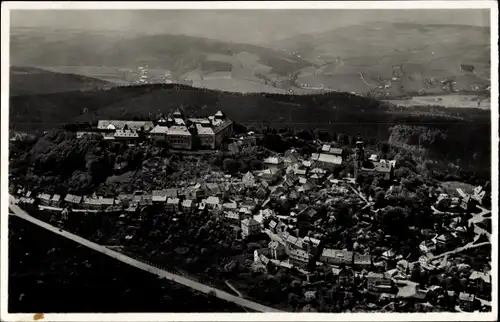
195, 161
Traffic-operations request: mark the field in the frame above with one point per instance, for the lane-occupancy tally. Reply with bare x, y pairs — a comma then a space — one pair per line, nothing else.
51, 274
452, 100
237, 85
451, 187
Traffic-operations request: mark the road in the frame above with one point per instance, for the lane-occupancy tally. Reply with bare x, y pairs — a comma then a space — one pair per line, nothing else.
364, 81
133, 262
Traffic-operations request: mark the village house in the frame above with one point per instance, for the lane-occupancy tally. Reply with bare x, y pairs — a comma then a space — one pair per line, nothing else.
233, 217
277, 250
159, 196
376, 282
389, 255
188, 205
172, 204
248, 180
337, 257
445, 241
249, 227
466, 301
481, 281
274, 163
326, 161
72, 200
55, 201
298, 256
427, 246
97, 203
212, 202
343, 275
362, 261
311, 244
44, 199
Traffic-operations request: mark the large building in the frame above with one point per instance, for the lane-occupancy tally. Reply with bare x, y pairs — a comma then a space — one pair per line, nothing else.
176, 130
371, 166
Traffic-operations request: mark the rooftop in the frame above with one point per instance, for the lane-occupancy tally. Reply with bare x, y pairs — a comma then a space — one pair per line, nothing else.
178, 130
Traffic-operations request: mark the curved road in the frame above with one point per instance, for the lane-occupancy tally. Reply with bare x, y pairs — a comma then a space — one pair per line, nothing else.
133, 262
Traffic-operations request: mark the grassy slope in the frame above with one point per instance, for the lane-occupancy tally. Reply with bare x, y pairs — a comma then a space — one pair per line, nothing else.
29, 80
178, 53
424, 51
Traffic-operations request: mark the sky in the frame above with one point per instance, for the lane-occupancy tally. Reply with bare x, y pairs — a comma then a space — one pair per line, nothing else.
249, 26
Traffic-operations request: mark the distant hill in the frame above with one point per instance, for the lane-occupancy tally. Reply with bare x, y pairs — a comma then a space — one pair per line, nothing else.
30, 81
173, 54
422, 51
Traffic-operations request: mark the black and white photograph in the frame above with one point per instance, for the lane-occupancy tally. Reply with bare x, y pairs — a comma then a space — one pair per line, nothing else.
239, 157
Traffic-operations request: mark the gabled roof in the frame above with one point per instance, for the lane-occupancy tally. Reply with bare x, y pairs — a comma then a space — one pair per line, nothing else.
480, 275
466, 297
250, 222
331, 159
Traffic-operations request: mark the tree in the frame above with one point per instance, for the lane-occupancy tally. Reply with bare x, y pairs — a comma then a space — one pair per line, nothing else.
230, 165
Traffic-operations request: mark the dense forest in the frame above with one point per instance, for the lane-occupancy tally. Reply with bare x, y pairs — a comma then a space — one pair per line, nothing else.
459, 136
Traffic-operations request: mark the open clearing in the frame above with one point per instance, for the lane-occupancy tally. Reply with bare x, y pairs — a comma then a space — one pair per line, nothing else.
453, 100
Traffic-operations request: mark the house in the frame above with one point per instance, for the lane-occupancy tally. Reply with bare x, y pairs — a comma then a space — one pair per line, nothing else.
311, 244
427, 246
388, 255
376, 282
362, 261
277, 250
445, 241
261, 193
343, 275
72, 200
188, 205
159, 196
233, 216
298, 256
230, 206
249, 227
337, 257
290, 241
466, 301
327, 161
172, 204
213, 189
270, 175
55, 201
300, 173
248, 180
212, 202
481, 280
44, 199
98, 203
273, 225
275, 163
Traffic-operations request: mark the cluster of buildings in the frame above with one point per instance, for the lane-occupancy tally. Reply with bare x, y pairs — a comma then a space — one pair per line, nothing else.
177, 130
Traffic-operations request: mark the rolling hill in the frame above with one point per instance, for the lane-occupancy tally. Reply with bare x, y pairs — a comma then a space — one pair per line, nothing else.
30, 81
94, 54
422, 51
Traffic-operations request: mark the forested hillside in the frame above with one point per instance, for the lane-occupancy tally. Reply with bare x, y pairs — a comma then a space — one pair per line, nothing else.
442, 133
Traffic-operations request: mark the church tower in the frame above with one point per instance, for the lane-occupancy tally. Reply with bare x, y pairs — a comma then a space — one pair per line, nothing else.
359, 156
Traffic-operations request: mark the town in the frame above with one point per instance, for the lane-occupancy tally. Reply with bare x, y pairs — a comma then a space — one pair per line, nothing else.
337, 227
